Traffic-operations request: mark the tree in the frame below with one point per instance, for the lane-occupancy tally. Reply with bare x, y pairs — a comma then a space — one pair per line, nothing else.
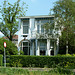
11, 49
9, 12
64, 12
71, 43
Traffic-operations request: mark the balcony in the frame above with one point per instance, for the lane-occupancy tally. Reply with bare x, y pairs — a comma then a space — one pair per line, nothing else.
42, 34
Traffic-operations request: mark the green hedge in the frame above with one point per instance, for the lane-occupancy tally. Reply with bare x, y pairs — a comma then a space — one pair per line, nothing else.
1, 60
40, 61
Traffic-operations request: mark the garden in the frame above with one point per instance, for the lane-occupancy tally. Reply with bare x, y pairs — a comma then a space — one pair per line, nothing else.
34, 65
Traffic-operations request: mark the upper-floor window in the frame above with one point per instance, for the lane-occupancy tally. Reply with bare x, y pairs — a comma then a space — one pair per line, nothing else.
44, 21
25, 26
42, 29
38, 28
41, 22
38, 21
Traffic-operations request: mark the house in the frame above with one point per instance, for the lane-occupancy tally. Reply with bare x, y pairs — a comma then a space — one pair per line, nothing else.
32, 36
14, 39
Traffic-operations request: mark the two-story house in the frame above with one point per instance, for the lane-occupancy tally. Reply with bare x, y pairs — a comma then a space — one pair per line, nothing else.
29, 40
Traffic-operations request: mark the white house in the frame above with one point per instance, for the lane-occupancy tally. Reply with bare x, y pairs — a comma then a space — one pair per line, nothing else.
32, 37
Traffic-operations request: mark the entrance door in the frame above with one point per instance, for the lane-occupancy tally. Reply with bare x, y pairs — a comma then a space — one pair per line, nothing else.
42, 52
26, 48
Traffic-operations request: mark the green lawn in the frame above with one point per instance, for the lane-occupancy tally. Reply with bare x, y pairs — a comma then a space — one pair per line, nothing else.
20, 71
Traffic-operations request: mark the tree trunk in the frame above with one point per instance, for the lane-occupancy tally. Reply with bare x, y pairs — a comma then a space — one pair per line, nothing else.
54, 48
66, 47
10, 38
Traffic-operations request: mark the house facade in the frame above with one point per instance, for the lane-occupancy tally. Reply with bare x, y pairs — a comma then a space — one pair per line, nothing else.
33, 38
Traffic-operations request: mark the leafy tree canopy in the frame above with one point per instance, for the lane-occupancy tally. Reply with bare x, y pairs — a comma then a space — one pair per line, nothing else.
10, 13
64, 11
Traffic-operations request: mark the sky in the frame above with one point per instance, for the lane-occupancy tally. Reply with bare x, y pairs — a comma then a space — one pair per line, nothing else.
35, 7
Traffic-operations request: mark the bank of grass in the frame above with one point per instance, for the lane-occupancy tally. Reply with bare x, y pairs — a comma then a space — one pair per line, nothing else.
22, 71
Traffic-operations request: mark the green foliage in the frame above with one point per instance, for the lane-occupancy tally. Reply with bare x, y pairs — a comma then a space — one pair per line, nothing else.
61, 71
20, 71
1, 60
41, 61
13, 71
17, 63
21, 52
64, 13
71, 43
70, 65
10, 13
11, 49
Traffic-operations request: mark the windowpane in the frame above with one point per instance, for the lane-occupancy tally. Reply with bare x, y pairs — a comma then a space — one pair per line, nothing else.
25, 44
44, 21
38, 28
42, 29
25, 29
42, 46
38, 21
52, 21
25, 26
25, 22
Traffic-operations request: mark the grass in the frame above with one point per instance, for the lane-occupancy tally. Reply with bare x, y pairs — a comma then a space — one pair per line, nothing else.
20, 71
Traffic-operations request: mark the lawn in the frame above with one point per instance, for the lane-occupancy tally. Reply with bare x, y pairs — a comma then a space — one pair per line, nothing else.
22, 71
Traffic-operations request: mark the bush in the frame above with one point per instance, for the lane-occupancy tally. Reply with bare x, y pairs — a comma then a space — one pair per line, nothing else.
40, 61
1, 60
11, 49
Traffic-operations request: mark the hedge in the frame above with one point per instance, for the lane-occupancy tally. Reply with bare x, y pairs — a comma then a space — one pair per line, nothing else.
40, 61
1, 60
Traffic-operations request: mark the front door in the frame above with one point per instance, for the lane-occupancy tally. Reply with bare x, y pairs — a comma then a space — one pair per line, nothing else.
42, 52
26, 48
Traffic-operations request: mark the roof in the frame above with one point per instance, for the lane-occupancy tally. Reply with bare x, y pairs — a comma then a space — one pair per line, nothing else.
40, 16
14, 37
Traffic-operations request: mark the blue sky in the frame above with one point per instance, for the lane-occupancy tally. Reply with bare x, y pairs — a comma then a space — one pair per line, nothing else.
39, 7
36, 7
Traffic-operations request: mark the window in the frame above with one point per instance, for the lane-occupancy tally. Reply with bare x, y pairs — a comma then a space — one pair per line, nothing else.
25, 22
42, 46
38, 27
25, 44
44, 21
51, 21
25, 27
38, 21
42, 29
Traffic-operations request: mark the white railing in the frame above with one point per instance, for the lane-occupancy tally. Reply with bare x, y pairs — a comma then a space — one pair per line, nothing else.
41, 34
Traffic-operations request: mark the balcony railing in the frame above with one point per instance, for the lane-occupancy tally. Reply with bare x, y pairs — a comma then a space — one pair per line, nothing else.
40, 33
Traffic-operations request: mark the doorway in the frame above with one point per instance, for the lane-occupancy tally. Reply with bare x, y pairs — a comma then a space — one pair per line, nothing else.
26, 48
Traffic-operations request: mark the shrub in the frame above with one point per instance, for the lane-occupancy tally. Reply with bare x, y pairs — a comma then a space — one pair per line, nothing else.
40, 61
1, 60
11, 49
